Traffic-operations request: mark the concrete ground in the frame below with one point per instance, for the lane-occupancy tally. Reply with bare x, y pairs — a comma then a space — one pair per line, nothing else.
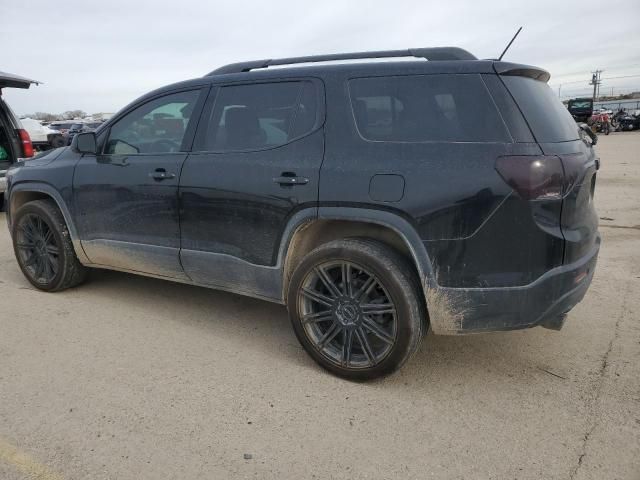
134, 378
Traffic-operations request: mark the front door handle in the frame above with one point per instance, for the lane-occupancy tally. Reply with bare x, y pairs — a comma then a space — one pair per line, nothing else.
161, 174
290, 179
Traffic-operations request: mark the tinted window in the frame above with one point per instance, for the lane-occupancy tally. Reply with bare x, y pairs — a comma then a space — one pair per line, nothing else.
155, 127
59, 126
580, 104
257, 116
549, 120
426, 108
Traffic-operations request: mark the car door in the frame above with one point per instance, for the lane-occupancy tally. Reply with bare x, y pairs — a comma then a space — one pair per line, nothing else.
255, 162
126, 197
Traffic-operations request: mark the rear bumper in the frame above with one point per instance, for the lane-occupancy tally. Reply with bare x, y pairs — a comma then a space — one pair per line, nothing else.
544, 302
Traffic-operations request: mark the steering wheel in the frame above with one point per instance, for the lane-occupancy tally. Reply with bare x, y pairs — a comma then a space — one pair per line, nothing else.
165, 146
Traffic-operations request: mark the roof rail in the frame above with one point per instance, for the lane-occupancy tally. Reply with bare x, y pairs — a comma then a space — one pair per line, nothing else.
434, 53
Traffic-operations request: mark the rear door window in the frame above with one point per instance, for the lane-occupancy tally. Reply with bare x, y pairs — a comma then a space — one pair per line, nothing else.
426, 108
549, 120
261, 115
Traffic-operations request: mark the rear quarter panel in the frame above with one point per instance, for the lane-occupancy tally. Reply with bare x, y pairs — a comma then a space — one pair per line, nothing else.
476, 231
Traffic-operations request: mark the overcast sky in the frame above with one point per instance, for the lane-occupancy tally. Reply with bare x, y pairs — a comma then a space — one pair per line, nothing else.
98, 56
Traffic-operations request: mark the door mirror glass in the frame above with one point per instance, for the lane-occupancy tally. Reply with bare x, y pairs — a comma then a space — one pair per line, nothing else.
85, 143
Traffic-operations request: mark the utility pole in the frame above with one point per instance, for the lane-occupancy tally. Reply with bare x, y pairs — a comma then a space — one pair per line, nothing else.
595, 81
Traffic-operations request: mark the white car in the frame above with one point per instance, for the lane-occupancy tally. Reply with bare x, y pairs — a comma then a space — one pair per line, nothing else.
42, 137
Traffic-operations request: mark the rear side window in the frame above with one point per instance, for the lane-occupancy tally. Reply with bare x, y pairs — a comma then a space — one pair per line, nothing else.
426, 108
261, 115
549, 120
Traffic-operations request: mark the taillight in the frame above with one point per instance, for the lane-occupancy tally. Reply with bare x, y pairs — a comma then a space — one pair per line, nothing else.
27, 147
533, 177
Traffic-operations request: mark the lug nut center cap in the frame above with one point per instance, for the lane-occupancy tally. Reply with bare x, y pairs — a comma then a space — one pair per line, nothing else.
347, 312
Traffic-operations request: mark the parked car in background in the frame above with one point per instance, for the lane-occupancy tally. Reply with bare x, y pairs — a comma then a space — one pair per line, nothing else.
81, 127
43, 137
62, 126
374, 199
14, 139
92, 126
580, 108
73, 130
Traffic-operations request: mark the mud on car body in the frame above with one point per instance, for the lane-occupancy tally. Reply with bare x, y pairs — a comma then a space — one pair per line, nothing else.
373, 199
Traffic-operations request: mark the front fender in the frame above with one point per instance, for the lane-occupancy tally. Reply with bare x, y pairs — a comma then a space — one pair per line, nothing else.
48, 190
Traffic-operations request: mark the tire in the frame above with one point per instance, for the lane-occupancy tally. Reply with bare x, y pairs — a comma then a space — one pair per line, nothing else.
58, 141
43, 247
382, 320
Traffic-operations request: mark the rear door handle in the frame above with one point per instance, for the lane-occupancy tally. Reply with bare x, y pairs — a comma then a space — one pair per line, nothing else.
161, 174
291, 180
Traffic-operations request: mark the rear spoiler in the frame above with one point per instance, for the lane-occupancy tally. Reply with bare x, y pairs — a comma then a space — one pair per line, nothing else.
519, 70
15, 81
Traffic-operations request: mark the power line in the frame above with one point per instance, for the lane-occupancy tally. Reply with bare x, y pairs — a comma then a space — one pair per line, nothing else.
623, 76
602, 78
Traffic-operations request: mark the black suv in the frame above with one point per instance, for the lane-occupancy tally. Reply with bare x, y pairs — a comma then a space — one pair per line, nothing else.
373, 199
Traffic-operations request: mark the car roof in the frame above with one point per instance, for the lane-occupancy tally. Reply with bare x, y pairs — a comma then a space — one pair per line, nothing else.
349, 69
369, 68
359, 69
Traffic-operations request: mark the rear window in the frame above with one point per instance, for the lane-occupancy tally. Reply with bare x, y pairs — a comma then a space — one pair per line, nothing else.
426, 108
549, 120
58, 126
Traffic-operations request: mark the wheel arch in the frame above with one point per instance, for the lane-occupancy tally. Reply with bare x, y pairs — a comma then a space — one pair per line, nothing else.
22, 193
340, 222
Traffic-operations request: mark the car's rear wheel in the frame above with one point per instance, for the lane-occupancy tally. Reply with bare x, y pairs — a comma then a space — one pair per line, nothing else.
58, 141
356, 308
43, 247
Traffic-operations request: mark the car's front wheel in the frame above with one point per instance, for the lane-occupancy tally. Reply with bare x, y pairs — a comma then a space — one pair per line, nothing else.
356, 307
43, 247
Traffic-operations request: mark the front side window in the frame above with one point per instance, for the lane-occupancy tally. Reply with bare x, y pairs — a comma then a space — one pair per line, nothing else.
425, 108
259, 116
157, 126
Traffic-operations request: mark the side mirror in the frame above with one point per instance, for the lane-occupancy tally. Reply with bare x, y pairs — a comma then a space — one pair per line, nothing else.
85, 143
587, 130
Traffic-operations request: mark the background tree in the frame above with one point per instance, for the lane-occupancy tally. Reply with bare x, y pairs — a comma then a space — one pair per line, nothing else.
45, 117
71, 114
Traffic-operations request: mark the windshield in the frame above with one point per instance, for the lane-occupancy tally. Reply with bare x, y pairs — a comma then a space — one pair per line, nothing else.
580, 104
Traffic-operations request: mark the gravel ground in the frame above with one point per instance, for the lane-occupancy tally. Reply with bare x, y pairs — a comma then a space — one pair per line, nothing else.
134, 378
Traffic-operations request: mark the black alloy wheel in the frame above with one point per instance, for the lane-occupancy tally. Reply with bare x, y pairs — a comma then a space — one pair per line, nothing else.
37, 248
43, 247
347, 314
356, 307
